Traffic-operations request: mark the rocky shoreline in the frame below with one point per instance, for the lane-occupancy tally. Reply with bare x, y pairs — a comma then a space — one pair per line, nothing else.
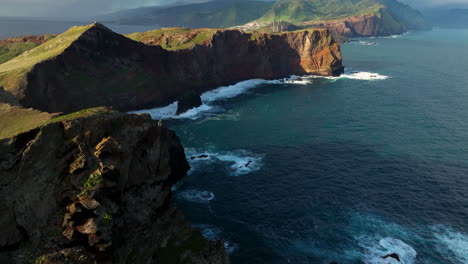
95, 186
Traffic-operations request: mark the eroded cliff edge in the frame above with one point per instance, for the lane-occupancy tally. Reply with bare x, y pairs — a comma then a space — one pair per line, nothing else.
96, 189
93, 66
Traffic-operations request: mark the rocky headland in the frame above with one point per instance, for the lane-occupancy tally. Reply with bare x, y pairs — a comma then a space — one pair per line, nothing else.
93, 66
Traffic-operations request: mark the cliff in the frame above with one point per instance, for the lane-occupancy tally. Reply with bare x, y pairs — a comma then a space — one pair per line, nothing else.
93, 66
367, 25
96, 189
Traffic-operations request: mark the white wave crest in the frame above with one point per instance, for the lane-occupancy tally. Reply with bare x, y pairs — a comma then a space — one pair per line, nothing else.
451, 244
169, 112
364, 43
196, 196
357, 75
221, 93
237, 162
228, 92
379, 251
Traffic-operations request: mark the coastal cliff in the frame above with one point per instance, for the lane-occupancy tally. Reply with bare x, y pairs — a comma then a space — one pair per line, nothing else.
96, 189
92, 66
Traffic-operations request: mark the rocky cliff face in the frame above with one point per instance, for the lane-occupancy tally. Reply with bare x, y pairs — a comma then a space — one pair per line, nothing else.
96, 189
102, 68
363, 26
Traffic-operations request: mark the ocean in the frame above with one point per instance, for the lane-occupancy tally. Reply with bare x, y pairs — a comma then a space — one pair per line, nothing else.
347, 169
320, 170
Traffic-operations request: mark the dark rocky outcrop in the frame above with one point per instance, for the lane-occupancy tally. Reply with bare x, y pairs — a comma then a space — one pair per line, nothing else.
102, 68
188, 101
96, 190
393, 256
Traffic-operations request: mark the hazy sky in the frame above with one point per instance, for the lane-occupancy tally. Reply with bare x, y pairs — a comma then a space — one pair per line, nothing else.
81, 8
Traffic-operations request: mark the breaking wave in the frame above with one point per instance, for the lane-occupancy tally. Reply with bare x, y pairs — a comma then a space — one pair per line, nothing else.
236, 162
364, 43
227, 92
367, 76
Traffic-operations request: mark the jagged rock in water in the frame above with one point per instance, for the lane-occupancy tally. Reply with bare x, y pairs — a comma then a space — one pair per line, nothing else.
96, 189
393, 255
189, 101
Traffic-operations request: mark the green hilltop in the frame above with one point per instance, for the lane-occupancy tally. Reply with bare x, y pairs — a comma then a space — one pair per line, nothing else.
14, 70
174, 38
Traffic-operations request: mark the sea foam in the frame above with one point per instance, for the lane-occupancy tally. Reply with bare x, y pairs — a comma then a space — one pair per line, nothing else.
210, 108
197, 196
375, 251
237, 163
451, 244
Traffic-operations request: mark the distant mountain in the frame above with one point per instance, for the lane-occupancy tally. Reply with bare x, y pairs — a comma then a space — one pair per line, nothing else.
448, 18
215, 14
347, 17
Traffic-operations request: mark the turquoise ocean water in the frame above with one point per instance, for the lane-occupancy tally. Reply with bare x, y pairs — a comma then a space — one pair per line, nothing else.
343, 169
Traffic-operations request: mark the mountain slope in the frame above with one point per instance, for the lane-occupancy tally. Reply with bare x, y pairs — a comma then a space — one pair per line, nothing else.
319, 10
350, 18
217, 14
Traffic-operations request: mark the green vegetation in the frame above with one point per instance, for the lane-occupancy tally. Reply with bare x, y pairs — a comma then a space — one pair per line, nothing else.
173, 253
174, 38
81, 114
316, 11
108, 220
45, 51
15, 120
9, 51
90, 184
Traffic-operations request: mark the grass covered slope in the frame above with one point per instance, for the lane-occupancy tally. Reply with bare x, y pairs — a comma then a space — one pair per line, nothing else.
15, 120
175, 38
13, 47
13, 71
45, 51
217, 14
